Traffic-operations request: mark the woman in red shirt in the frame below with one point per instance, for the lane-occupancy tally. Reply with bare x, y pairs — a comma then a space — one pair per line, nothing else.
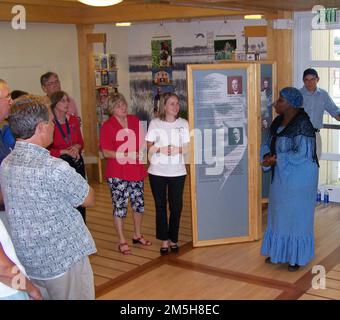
122, 143
68, 141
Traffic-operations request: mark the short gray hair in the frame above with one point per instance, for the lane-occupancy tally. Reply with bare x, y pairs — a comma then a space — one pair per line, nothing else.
25, 114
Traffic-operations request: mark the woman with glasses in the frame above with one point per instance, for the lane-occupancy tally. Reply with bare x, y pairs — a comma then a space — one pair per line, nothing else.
68, 141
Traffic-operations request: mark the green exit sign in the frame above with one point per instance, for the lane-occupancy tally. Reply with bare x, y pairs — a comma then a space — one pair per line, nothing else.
328, 15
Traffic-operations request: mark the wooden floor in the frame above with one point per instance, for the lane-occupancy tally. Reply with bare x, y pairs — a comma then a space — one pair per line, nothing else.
220, 272
108, 264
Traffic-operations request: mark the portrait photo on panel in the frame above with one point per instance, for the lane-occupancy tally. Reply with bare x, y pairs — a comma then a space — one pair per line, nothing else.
235, 136
266, 86
234, 85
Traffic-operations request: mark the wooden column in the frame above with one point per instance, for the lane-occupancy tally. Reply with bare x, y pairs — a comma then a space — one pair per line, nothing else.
280, 49
87, 93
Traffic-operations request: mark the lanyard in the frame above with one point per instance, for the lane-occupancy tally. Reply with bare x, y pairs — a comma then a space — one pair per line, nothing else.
67, 138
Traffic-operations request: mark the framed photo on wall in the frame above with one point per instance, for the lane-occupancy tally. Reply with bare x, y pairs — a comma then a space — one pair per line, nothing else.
161, 53
224, 49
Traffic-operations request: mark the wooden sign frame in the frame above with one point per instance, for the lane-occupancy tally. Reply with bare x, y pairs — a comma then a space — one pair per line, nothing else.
254, 135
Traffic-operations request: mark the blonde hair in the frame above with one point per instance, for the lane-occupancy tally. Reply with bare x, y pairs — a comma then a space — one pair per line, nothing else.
3, 84
162, 103
113, 100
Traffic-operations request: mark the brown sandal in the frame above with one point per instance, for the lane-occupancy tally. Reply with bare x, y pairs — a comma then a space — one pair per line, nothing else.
141, 241
126, 251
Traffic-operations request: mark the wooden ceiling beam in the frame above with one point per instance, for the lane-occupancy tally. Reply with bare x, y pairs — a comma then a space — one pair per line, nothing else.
74, 13
49, 14
52, 3
151, 12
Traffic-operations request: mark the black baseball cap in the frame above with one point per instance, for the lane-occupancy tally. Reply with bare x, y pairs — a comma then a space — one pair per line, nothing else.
310, 71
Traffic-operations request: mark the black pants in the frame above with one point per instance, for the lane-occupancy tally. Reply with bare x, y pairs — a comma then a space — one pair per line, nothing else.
173, 188
80, 168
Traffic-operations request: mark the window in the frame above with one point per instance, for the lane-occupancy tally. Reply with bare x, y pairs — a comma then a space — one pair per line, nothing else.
320, 49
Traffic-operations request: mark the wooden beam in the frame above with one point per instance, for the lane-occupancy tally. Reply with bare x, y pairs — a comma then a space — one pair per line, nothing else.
149, 12
49, 14
69, 11
96, 38
87, 93
284, 53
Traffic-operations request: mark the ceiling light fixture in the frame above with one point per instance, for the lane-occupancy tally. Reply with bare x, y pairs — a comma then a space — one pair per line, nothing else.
253, 17
123, 24
100, 3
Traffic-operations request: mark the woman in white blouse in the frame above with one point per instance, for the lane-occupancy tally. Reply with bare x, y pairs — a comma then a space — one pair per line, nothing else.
168, 139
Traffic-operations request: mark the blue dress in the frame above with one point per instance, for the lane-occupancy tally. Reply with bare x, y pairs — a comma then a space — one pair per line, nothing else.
289, 237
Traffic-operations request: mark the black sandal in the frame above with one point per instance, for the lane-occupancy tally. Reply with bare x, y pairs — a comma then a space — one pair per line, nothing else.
268, 260
293, 268
174, 248
164, 251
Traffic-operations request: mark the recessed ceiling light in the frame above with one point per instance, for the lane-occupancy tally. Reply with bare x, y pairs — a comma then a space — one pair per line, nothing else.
253, 17
123, 24
100, 3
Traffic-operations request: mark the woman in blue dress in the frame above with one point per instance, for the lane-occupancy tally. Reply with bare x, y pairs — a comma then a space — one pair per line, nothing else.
290, 152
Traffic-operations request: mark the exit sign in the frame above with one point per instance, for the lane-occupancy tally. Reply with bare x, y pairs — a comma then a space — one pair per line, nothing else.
328, 15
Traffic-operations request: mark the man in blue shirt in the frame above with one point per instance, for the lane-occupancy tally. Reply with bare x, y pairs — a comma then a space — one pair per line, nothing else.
315, 102
5, 100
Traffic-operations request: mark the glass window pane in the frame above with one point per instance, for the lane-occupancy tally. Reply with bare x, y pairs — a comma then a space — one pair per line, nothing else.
330, 170
330, 81
325, 45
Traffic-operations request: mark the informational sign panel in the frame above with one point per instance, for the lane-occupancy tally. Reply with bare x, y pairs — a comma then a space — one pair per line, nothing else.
224, 174
267, 90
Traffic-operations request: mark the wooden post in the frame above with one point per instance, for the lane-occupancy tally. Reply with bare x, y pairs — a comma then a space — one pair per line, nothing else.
280, 48
87, 94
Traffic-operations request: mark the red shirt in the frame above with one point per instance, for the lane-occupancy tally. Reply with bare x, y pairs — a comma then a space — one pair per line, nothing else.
113, 137
75, 137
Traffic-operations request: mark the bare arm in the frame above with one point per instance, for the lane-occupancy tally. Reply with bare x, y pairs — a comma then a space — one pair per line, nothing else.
109, 154
153, 149
12, 277
90, 199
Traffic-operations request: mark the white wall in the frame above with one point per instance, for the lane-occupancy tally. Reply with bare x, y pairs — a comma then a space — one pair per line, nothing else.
136, 40
26, 54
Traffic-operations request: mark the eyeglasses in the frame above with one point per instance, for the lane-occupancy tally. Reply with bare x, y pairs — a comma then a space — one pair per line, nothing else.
52, 83
8, 97
65, 100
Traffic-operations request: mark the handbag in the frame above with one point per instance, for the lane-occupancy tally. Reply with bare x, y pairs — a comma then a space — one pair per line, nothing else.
77, 164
